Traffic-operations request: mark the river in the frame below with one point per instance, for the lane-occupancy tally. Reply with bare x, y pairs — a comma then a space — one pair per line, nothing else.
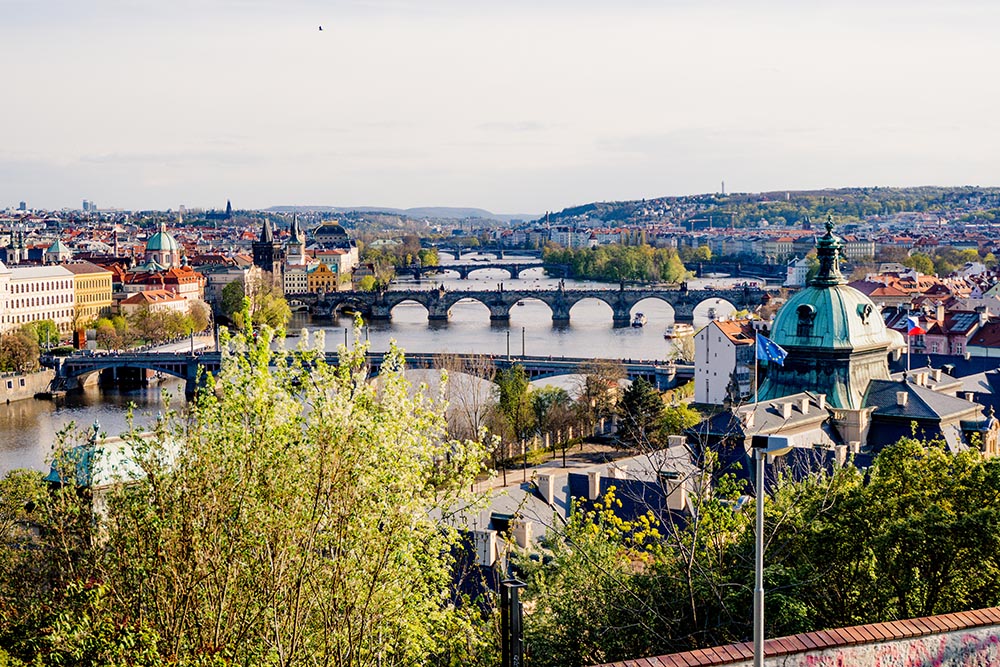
28, 428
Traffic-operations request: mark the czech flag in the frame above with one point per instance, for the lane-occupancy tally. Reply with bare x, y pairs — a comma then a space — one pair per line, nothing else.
913, 326
769, 351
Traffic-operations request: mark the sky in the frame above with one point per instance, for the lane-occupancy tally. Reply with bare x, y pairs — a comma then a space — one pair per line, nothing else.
515, 106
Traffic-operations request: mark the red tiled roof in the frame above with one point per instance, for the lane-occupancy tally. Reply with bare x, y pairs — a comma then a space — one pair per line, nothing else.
823, 639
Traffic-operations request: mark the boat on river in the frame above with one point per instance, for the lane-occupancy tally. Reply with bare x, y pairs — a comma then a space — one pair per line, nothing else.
678, 330
639, 320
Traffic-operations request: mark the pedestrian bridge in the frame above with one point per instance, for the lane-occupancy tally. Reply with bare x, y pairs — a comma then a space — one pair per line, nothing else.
438, 302
186, 366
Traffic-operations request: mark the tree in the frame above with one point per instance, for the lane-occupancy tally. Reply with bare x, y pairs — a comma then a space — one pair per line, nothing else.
641, 417
45, 331
286, 518
266, 304
232, 299
921, 262
513, 402
199, 314
678, 418
18, 352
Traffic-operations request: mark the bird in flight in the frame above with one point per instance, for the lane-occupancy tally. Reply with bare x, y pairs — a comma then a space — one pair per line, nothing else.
321, 28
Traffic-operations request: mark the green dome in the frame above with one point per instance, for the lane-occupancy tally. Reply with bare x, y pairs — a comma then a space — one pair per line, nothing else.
834, 335
830, 317
58, 248
162, 241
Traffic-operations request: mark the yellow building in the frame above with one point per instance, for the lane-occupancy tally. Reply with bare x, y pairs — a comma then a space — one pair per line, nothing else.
91, 291
322, 279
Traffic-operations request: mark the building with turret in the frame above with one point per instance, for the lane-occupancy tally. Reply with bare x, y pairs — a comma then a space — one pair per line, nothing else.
268, 254
834, 394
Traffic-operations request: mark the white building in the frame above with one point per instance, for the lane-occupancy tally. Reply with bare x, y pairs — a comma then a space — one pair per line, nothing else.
34, 293
295, 279
724, 353
797, 271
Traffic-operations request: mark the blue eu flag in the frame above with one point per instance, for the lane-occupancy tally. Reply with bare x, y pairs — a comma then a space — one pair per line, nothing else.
768, 350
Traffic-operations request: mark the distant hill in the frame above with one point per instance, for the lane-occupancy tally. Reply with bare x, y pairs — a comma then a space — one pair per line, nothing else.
420, 212
783, 207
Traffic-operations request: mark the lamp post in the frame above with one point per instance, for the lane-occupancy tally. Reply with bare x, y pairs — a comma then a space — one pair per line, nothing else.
762, 446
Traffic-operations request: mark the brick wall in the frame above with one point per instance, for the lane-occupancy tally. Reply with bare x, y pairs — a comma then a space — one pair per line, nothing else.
964, 639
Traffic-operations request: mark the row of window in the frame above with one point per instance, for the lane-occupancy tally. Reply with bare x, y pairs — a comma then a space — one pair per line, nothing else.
23, 288
34, 317
34, 301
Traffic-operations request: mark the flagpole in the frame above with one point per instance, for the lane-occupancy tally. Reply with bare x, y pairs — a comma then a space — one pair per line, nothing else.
756, 362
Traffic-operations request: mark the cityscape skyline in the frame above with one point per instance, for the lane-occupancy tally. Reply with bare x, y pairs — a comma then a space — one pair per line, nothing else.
517, 109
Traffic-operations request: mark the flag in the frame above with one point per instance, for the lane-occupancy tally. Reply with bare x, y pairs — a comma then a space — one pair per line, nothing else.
768, 350
913, 326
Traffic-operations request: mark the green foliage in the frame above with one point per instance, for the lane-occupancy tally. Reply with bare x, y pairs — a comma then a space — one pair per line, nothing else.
46, 333
921, 262
678, 418
18, 352
514, 403
289, 517
265, 304
620, 263
918, 535
640, 417
232, 298
154, 327
367, 284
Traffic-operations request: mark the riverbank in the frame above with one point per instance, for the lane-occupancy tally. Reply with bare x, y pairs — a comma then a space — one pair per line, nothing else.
21, 386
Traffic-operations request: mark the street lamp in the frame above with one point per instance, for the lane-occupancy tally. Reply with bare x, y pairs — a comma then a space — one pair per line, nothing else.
762, 446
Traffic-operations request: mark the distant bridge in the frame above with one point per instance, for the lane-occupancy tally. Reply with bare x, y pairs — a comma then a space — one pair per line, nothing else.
186, 366
463, 270
457, 251
438, 302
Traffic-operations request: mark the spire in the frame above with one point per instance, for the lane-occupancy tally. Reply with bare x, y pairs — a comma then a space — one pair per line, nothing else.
295, 229
267, 233
828, 252
229, 209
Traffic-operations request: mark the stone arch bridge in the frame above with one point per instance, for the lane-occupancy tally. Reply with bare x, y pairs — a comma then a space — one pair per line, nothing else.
438, 302
514, 269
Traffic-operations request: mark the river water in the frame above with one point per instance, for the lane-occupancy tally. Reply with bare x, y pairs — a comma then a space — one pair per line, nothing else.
28, 428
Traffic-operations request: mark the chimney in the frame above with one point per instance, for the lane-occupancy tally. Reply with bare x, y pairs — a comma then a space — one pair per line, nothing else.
936, 374
593, 484
939, 312
821, 399
676, 441
969, 396
521, 529
546, 486
901, 398
786, 410
804, 405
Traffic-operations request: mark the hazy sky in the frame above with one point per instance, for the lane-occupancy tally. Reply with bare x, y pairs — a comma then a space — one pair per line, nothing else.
511, 105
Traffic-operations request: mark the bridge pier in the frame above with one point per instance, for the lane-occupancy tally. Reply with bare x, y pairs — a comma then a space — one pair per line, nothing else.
622, 316
499, 312
381, 312
437, 311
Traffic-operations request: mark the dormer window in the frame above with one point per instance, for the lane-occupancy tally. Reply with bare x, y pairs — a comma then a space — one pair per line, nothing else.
864, 312
807, 314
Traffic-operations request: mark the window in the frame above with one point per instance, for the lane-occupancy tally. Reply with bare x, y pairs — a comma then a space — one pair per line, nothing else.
806, 313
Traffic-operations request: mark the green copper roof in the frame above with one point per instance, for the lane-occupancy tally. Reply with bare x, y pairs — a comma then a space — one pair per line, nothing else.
162, 241
829, 314
58, 248
833, 317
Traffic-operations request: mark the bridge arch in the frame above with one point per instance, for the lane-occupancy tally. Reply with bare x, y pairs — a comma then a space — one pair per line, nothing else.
714, 308
655, 308
593, 305
408, 309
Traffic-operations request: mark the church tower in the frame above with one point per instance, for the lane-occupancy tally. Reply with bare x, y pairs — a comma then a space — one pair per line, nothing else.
295, 249
267, 254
